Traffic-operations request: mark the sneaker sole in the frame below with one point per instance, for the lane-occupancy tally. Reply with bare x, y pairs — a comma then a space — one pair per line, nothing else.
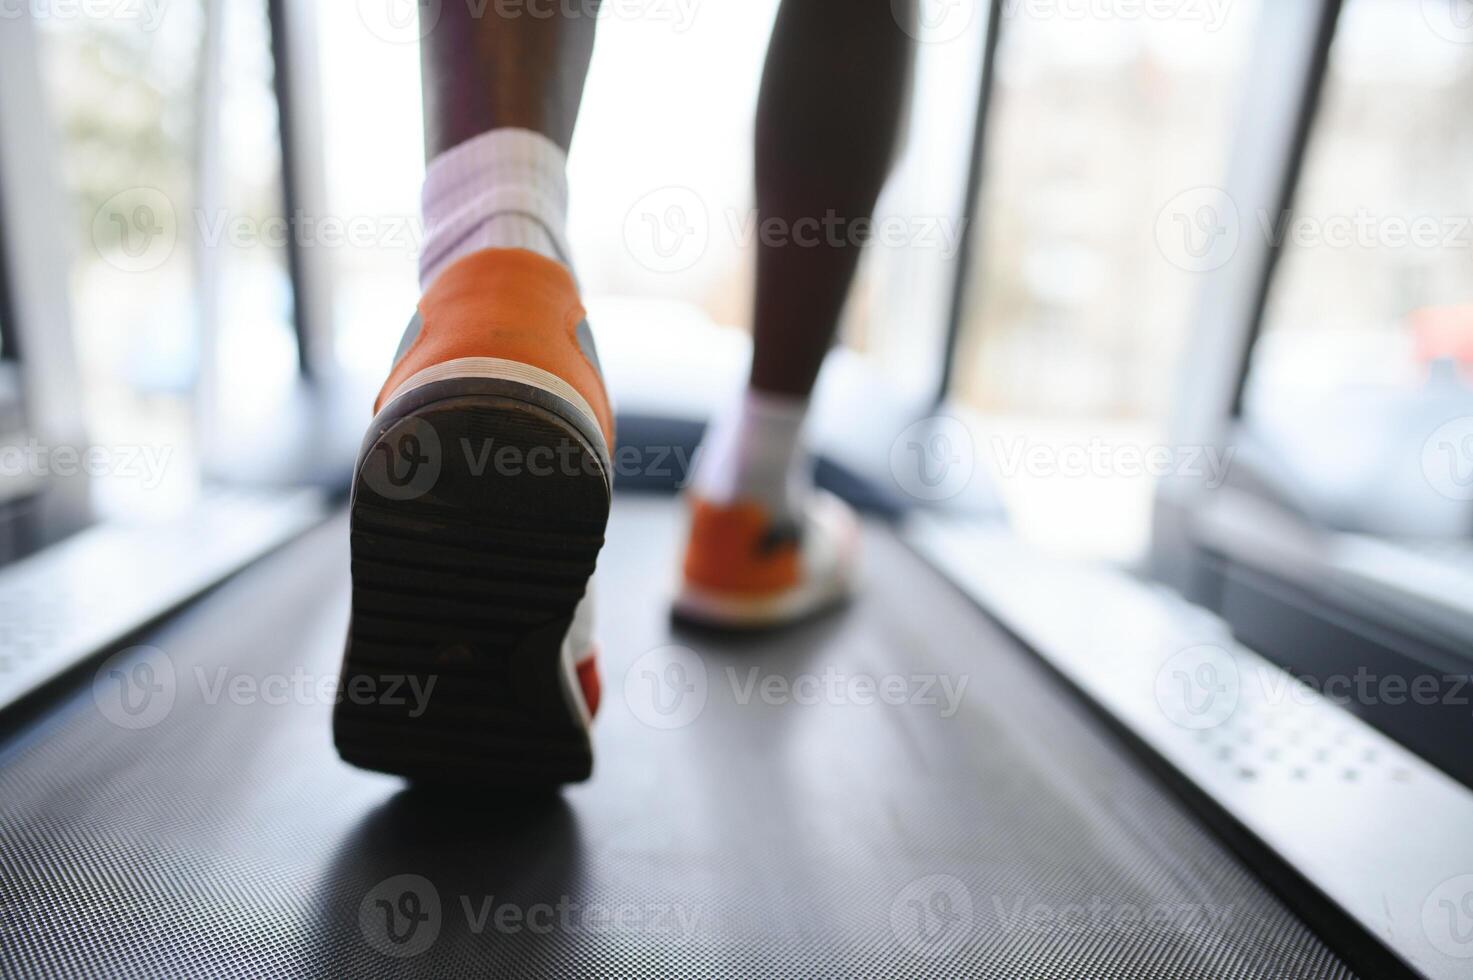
478, 511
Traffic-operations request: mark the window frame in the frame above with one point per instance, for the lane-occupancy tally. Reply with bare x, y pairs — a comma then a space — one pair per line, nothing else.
1286, 586
34, 301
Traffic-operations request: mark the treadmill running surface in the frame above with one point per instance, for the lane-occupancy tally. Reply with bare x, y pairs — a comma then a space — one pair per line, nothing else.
896, 790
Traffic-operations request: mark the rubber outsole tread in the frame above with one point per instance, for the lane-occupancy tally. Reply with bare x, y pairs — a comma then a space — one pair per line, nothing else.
465, 581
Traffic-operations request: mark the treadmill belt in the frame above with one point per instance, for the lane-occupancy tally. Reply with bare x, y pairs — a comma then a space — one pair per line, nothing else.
893, 791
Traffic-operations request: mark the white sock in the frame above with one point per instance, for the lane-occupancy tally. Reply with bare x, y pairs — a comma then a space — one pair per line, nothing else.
755, 452
504, 189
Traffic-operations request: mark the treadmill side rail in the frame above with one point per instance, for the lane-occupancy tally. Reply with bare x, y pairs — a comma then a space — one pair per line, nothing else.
1373, 827
83, 595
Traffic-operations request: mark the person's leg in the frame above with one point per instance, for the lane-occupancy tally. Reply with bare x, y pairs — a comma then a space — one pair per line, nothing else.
764, 548
501, 96
827, 117
481, 495
489, 72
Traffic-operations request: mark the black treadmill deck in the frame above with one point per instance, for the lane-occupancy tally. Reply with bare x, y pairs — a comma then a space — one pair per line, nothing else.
786, 829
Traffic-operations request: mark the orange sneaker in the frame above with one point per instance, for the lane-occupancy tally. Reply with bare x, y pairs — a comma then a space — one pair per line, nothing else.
745, 571
478, 510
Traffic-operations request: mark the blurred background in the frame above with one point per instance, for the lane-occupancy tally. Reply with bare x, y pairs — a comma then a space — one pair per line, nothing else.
1082, 283
1180, 288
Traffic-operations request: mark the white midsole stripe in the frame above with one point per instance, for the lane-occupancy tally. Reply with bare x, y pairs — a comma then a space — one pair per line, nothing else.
577, 644
502, 369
